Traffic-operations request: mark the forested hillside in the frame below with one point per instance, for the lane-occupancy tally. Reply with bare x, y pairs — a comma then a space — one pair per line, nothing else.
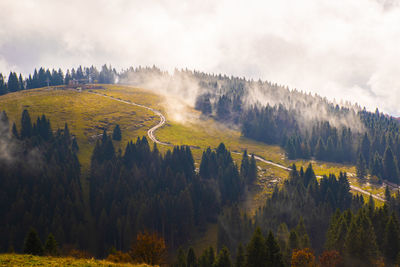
140, 194
138, 190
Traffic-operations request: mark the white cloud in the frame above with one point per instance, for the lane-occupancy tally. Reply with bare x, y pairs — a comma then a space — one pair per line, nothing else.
340, 49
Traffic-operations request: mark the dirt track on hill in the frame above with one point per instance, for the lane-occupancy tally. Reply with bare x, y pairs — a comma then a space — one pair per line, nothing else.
151, 131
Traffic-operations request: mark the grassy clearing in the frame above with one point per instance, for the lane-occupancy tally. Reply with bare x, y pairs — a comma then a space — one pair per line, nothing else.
29, 260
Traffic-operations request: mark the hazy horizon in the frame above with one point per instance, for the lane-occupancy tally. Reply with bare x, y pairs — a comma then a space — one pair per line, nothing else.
345, 50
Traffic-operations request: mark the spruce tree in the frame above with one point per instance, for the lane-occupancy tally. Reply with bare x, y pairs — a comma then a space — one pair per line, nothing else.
240, 257
256, 250
32, 244
361, 166
391, 241
116, 135
274, 256
191, 260
13, 84
181, 259
3, 86
26, 125
223, 259
51, 246
390, 169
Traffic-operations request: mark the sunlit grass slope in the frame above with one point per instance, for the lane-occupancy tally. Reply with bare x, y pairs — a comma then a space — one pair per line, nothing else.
29, 260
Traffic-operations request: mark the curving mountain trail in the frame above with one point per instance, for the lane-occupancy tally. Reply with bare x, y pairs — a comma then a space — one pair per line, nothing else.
151, 135
151, 131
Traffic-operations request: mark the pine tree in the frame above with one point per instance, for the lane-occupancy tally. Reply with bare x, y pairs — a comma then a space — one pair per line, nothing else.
274, 256
365, 148
390, 169
223, 259
191, 260
51, 247
21, 82
320, 150
14, 131
391, 241
13, 84
376, 166
116, 135
207, 258
32, 244
181, 259
3, 86
361, 166
26, 125
240, 257
256, 250
294, 242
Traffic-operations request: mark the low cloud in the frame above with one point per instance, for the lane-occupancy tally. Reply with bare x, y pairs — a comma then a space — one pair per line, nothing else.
339, 49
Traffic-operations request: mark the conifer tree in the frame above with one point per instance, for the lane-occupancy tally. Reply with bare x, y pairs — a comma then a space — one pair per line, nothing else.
256, 250
14, 131
181, 259
32, 244
274, 256
391, 241
51, 246
223, 259
361, 166
240, 257
26, 125
13, 84
191, 260
116, 135
294, 242
390, 170
3, 86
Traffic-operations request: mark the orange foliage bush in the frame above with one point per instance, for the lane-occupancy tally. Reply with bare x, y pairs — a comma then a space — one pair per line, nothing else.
303, 258
149, 248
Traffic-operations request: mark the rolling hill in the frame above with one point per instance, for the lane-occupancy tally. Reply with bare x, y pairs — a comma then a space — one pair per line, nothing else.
89, 112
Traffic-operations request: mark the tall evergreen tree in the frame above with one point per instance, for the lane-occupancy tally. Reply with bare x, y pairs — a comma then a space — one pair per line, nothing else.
391, 241
13, 84
256, 250
191, 260
223, 259
274, 256
32, 244
390, 169
3, 85
116, 135
26, 125
240, 257
51, 246
361, 167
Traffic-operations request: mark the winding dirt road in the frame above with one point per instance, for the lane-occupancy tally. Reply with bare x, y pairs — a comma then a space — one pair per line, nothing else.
151, 135
151, 131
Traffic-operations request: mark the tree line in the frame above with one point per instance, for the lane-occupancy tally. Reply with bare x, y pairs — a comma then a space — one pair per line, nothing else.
45, 77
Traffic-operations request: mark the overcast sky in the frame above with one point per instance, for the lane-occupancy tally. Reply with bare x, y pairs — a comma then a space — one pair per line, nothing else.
347, 49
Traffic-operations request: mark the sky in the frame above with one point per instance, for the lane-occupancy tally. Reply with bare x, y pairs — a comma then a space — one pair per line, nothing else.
344, 50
